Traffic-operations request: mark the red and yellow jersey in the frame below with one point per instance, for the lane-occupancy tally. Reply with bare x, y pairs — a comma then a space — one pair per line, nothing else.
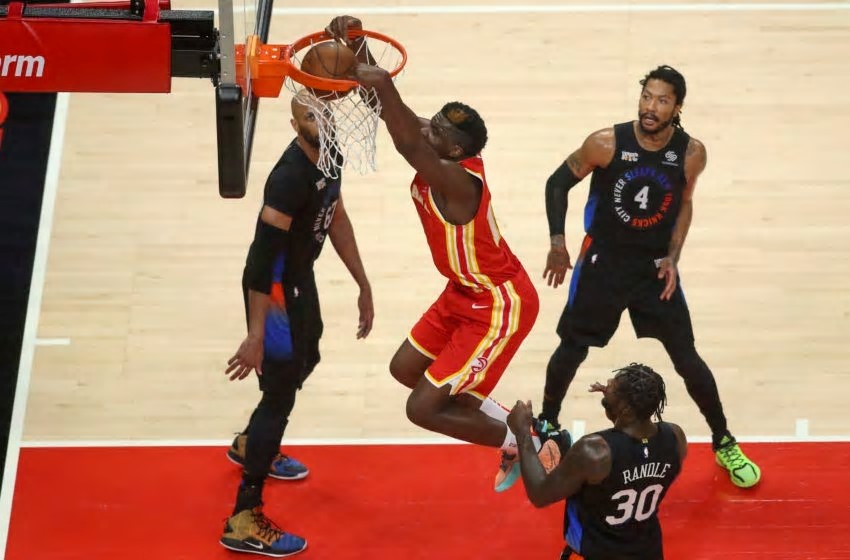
474, 254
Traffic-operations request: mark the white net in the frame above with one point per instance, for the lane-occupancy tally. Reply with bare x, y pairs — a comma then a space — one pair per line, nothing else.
348, 121
348, 125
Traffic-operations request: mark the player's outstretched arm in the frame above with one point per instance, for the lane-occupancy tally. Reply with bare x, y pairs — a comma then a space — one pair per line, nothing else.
342, 237
596, 151
588, 461
405, 128
269, 241
695, 162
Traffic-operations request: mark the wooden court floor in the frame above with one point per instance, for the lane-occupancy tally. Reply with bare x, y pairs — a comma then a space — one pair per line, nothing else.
142, 285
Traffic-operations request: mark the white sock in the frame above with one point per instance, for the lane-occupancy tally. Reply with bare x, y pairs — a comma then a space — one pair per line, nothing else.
496, 411
509, 444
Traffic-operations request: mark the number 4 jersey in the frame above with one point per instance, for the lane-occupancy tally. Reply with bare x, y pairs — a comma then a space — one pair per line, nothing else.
634, 202
617, 519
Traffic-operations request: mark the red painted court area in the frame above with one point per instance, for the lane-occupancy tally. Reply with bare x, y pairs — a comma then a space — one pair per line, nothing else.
406, 502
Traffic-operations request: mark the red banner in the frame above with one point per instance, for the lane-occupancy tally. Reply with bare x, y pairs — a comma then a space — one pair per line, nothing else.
40, 54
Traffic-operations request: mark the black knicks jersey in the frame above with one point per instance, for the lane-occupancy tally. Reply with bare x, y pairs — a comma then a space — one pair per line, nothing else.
297, 188
633, 203
618, 518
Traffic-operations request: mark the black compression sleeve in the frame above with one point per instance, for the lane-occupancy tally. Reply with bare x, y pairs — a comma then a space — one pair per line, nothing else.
557, 187
268, 244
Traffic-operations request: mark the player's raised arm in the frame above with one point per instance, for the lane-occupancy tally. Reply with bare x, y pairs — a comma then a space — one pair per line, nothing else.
433, 150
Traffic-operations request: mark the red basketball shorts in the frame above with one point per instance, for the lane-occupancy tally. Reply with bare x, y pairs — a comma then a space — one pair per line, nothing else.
472, 336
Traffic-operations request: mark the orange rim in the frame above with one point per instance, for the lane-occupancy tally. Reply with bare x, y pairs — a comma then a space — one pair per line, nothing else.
317, 82
270, 65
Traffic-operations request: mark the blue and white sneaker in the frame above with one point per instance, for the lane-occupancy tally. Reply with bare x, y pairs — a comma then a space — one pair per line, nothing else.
282, 468
285, 467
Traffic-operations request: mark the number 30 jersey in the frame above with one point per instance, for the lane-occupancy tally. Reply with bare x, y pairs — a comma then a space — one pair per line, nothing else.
618, 518
633, 203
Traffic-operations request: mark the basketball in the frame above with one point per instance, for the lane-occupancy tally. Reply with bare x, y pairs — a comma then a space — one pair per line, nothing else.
549, 455
328, 60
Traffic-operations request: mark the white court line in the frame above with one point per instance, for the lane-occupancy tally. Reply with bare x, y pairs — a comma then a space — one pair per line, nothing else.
559, 8
52, 341
227, 442
801, 427
578, 429
373, 441
45, 227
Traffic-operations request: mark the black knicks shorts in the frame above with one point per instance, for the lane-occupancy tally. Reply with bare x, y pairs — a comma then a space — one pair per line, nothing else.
604, 283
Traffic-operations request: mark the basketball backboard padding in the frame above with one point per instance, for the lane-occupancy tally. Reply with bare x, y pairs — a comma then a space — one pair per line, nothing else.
230, 136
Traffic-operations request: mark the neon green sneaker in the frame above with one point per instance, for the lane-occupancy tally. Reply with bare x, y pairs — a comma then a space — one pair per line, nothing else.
743, 472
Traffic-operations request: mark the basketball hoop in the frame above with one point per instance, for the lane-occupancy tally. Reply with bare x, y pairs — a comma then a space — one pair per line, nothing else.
347, 113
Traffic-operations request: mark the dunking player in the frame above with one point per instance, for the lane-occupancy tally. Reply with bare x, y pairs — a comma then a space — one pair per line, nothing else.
637, 217
614, 480
456, 353
300, 207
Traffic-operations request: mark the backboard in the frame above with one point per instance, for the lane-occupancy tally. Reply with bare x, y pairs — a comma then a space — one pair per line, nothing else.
236, 110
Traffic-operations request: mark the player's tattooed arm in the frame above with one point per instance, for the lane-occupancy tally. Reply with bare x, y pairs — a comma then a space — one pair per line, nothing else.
575, 162
597, 150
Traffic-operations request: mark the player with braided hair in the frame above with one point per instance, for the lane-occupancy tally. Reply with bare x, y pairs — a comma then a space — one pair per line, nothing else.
643, 389
614, 480
638, 213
